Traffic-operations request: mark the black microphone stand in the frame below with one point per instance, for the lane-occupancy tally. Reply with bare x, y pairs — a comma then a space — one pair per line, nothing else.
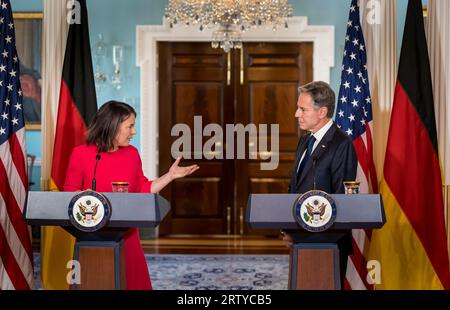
94, 181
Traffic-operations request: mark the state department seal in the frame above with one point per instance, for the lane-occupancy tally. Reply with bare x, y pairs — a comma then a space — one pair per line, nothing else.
89, 211
315, 211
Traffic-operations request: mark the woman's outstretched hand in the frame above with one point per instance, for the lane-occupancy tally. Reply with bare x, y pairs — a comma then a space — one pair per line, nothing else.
176, 171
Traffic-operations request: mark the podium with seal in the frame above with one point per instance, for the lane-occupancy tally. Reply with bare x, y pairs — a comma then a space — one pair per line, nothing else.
316, 222
99, 222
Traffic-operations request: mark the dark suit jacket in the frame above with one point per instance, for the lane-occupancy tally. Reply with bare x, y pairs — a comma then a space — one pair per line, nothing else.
332, 162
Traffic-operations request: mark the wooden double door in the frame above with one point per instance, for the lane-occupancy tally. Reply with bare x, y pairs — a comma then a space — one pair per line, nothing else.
198, 86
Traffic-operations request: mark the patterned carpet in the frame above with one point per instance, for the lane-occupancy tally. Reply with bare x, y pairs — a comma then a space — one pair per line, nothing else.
214, 272
219, 272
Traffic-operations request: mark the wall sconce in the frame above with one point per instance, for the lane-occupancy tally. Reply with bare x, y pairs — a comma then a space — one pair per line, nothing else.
100, 49
117, 62
100, 53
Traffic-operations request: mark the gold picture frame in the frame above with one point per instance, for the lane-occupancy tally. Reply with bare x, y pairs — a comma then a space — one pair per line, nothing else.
28, 30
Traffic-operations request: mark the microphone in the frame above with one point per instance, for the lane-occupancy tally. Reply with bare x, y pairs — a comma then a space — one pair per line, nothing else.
315, 158
94, 181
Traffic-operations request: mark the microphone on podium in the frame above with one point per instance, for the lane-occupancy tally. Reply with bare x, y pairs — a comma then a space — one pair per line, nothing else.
94, 181
314, 171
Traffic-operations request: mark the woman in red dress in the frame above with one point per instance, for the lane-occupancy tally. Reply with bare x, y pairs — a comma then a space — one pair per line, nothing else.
109, 136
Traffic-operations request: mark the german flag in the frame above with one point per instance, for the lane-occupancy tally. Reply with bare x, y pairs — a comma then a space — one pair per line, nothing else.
412, 246
77, 106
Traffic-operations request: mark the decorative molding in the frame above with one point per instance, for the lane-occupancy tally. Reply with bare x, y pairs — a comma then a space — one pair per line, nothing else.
147, 37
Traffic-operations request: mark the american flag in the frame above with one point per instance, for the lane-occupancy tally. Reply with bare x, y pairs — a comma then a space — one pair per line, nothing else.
16, 267
354, 116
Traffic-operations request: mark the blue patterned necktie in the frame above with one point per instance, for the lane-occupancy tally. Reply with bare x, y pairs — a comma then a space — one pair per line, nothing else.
309, 149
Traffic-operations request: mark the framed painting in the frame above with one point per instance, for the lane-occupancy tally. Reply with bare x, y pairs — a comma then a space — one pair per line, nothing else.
28, 28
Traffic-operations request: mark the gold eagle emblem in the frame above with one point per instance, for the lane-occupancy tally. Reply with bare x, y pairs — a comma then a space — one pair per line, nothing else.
88, 210
316, 212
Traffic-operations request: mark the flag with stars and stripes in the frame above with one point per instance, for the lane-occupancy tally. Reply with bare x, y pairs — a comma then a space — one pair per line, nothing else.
16, 267
354, 116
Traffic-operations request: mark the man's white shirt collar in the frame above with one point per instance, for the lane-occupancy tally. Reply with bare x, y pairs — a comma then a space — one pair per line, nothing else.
321, 132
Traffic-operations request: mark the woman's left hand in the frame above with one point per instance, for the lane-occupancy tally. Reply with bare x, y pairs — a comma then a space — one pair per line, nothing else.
176, 171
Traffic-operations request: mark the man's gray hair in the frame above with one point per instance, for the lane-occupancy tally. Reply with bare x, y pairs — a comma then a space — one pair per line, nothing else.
321, 94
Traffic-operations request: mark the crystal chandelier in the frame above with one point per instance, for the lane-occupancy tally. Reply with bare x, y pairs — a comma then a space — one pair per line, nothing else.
229, 17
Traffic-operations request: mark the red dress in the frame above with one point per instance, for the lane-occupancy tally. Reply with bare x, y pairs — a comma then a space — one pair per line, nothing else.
123, 165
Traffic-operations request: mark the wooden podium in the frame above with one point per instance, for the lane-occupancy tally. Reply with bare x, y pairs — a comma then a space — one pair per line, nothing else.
100, 254
314, 258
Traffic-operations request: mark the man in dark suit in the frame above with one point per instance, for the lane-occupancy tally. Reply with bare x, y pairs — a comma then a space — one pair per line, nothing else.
333, 158
325, 156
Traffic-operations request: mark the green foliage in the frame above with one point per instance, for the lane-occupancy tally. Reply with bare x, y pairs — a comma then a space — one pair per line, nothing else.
306, 217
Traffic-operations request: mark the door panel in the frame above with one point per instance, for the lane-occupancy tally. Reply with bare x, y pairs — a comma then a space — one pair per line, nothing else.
201, 98
271, 102
197, 197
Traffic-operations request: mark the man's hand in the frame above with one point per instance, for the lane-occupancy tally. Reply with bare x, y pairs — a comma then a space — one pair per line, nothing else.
287, 238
